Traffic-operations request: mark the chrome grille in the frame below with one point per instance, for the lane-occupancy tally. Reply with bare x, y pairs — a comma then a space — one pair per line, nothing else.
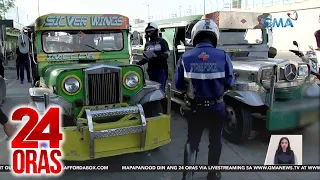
104, 88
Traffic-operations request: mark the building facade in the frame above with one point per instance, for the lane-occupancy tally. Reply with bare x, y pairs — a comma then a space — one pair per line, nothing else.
20, 19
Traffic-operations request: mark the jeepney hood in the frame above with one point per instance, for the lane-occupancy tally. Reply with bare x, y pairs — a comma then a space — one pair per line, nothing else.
247, 69
255, 63
51, 72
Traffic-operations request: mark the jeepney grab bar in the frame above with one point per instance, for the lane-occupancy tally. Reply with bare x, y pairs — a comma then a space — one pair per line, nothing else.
272, 85
117, 131
169, 93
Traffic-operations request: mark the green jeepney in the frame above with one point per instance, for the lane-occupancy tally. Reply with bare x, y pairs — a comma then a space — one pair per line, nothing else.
81, 63
271, 93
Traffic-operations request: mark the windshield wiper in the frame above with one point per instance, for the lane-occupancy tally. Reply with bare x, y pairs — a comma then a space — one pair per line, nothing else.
100, 50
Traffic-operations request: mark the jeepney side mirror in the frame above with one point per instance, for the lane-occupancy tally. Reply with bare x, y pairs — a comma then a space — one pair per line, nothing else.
136, 40
272, 52
295, 43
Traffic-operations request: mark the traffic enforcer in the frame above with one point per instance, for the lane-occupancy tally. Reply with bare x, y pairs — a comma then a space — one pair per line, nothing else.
269, 93
81, 63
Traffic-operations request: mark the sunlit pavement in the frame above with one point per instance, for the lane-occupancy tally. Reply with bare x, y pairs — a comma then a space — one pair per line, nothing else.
251, 153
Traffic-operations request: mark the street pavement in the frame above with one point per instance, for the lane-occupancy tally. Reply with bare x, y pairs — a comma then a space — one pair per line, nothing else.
252, 152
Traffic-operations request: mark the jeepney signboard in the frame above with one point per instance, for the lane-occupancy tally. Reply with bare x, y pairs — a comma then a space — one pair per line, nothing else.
70, 56
82, 21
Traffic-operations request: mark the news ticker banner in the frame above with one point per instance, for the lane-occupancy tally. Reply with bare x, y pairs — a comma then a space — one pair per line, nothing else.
196, 168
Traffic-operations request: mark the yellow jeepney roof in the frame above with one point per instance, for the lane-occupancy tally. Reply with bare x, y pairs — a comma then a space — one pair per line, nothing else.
236, 19
81, 22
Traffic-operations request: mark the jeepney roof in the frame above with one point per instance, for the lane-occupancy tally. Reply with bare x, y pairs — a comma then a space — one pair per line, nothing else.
179, 21
81, 22
237, 19
172, 22
224, 19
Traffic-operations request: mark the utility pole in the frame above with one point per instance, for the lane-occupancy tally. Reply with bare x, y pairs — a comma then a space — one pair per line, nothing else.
217, 5
38, 8
204, 6
148, 12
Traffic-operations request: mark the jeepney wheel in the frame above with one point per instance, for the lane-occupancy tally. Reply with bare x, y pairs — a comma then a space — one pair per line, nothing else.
238, 124
152, 109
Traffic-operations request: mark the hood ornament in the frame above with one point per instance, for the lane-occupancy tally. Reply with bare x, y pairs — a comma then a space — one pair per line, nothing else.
290, 72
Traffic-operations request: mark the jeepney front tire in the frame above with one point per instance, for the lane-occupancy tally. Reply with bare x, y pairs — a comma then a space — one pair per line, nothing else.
152, 109
241, 120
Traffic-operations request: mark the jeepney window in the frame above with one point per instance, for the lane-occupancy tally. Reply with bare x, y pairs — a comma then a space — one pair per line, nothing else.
81, 41
240, 36
188, 33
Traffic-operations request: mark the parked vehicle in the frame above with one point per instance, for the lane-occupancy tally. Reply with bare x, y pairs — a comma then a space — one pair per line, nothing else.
109, 108
310, 57
270, 93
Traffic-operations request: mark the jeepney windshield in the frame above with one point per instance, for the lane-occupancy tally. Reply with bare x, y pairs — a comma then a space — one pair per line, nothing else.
232, 36
81, 41
240, 36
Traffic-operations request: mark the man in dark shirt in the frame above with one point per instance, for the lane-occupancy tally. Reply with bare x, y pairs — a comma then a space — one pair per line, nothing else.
157, 65
24, 63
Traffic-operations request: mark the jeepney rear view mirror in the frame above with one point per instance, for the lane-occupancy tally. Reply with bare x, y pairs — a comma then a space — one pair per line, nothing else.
135, 35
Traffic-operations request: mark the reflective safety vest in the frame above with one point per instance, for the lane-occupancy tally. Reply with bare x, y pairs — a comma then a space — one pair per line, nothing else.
204, 72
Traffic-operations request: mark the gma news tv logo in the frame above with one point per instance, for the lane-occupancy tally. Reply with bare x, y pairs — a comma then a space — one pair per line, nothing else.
280, 22
35, 149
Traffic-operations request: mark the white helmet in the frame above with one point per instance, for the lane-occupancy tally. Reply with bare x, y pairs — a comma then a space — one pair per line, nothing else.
151, 25
204, 25
152, 30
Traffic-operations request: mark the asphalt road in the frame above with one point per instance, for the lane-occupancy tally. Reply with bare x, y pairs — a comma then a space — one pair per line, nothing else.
252, 152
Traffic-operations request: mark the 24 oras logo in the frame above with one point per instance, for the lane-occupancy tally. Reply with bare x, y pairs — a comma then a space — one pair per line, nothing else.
293, 16
31, 154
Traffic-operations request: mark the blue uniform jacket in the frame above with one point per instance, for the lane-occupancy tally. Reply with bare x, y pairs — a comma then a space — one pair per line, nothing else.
204, 72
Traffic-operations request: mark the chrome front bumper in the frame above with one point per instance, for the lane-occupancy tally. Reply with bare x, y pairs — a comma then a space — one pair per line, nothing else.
117, 131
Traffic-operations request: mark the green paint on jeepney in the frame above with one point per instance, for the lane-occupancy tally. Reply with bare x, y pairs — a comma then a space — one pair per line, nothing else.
57, 65
55, 74
288, 107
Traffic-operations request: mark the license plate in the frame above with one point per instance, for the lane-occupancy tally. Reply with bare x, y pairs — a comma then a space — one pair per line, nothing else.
307, 118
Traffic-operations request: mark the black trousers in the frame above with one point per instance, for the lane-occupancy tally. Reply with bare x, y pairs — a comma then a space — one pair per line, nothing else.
206, 117
24, 65
18, 69
1, 69
3, 118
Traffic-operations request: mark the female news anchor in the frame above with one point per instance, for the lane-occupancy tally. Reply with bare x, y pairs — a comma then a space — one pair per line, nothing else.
284, 154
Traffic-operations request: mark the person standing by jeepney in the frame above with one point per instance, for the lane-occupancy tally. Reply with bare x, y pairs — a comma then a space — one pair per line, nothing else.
2, 65
204, 73
23, 59
158, 53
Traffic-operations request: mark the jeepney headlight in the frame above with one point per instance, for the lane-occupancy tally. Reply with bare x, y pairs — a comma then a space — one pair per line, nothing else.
266, 74
71, 85
131, 80
303, 70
